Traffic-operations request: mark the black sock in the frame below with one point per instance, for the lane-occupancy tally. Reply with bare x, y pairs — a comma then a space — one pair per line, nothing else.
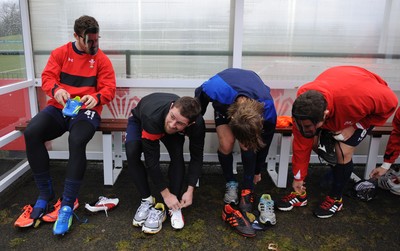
226, 161
45, 186
71, 190
341, 176
249, 166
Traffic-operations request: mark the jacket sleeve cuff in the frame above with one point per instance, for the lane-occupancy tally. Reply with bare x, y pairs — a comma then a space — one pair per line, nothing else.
386, 165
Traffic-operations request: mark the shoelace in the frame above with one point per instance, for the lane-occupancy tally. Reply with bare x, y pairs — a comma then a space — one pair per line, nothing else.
231, 185
290, 196
231, 188
154, 214
174, 212
364, 185
328, 203
144, 206
267, 206
84, 220
27, 211
64, 217
101, 203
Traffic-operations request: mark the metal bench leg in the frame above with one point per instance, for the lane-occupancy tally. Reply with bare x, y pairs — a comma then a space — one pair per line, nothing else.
12, 175
279, 177
108, 159
271, 159
372, 155
284, 156
117, 142
236, 159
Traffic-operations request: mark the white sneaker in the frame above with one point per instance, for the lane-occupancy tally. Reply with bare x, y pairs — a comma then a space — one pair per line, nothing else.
394, 185
156, 217
143, 212
383, 181
102, 204
231, 192
266, 208
177, 221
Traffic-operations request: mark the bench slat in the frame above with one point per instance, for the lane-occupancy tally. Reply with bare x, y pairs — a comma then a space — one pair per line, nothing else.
119, 125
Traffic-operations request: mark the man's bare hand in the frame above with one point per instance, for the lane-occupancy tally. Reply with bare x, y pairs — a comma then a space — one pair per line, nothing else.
187, 197
298, 186
377, 172
170, 200
257, 178
89, 101
61, 96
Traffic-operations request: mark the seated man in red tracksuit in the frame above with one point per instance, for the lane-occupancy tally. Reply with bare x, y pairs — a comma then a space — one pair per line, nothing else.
76, 70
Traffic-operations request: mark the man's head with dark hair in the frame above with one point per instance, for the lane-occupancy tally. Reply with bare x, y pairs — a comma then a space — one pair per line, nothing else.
309, 110
86, 31
189, 107
183, 113
309, 105
84, 23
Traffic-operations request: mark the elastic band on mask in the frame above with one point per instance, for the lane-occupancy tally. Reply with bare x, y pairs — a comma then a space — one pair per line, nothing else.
305, 117
91, 30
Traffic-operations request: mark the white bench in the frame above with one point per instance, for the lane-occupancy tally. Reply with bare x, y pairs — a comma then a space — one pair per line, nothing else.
280, 177
113, 154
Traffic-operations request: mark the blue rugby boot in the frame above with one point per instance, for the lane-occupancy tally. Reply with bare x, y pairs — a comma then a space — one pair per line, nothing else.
64, 221
72, 107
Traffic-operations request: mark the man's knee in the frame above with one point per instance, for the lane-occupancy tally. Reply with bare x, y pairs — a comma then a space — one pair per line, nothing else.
226, 144
133, 149
226, 147
30, 134
78, 141
344, 153
81, 134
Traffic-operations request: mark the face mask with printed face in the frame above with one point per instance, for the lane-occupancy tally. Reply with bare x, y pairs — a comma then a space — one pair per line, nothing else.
91, 39
306, 127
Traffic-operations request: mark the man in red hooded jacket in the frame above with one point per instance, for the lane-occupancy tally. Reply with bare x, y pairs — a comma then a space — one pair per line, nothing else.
332, 115
388, 178
392, 148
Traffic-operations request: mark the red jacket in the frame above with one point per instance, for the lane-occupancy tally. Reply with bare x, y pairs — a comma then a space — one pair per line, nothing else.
393, 146
353, 95
79, 74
